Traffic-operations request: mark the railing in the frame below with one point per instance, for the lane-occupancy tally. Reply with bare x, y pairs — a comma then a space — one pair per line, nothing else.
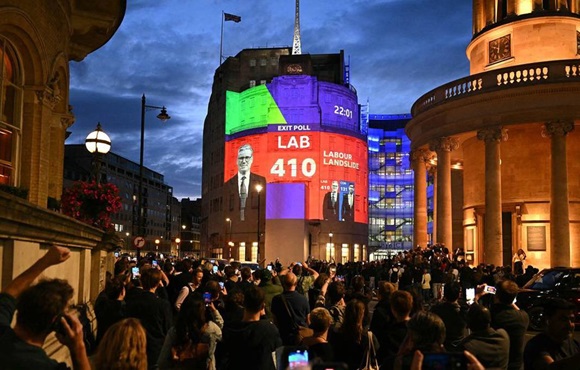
500, 79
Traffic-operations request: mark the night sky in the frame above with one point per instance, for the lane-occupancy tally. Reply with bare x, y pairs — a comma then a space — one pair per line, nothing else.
169, 50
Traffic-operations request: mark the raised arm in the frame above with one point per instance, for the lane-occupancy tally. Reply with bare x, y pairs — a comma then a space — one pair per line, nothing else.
53, 256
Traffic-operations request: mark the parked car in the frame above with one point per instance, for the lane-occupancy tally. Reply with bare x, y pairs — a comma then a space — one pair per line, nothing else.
558, 282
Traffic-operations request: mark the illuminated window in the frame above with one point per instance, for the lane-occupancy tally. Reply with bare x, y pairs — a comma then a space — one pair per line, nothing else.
263, 62
252, 62
356, 252
329, 251
10, 107
242, 251
345, 253
252, 83
254, 256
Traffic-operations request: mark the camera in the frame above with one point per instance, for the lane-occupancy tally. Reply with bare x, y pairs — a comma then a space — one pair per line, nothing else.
444, 361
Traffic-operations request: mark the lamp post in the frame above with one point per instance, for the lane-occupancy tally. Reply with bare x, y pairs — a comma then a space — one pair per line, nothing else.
259, 190
98, 143
163, 116
177, 241
228, 241
330, 243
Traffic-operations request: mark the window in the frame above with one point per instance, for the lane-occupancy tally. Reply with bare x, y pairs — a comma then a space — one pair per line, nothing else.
262, 82
254, 256
252, 62
252, 83
10, 105
263, 62
242, 252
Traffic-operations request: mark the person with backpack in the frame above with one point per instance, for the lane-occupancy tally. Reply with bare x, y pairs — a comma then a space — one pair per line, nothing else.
191, 343
306, 277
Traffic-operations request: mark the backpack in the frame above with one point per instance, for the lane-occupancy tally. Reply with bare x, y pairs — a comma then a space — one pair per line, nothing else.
191, 355
299, 286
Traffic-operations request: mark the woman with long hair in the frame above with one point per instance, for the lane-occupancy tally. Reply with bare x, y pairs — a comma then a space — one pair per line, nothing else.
124, 347
350, 342
192, 341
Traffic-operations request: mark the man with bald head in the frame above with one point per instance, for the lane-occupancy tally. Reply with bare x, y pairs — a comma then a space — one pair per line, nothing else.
288, 308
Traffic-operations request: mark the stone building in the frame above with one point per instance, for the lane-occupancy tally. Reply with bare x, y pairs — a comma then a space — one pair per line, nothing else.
38, 39
501, 141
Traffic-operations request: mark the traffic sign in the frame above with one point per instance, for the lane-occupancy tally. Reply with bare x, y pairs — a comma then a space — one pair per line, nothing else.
139, 242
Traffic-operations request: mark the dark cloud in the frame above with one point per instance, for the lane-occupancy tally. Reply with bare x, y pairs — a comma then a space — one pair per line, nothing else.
169, 50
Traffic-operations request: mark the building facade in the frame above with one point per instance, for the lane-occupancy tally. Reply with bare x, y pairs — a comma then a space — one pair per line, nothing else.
391, 186
37, 42
295, 120
508, 130
162, 212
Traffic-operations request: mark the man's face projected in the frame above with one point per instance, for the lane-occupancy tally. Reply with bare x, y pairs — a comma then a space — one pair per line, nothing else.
245, 158
351, 189
334, 186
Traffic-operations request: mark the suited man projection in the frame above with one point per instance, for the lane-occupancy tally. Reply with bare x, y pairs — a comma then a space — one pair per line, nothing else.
330, 204
242, 185
348, 205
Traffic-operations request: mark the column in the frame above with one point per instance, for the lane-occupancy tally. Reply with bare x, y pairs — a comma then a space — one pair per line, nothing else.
419, 159
559, 213
443, 147
432, 171
492, 228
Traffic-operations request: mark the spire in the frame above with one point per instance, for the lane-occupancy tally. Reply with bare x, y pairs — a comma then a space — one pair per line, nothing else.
296, 48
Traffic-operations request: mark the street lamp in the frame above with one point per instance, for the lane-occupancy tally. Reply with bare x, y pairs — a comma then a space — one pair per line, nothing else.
177, 241
259, 190
157, 241
163, 116
230, 236
98, 143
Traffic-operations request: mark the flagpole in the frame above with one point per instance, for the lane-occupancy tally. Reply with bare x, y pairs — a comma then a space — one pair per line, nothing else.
222, 40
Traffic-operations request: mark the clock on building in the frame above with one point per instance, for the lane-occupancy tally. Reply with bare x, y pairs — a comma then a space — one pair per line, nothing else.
500, 49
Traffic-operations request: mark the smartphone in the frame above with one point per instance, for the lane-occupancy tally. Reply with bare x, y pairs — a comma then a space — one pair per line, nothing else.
221, 285
444, 361
269, 267
298, 359
215, 269
339, 278
470, 295
489, 289
207, 298
116, 254
57, 325
135, 271
154, 263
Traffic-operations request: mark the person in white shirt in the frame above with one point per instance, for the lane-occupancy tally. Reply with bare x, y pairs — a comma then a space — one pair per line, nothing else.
189, 288
426, 285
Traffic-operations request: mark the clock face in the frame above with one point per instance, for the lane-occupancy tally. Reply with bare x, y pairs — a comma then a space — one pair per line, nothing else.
500, 49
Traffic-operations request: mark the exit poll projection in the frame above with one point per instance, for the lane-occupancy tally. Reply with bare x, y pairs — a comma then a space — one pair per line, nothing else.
303, 131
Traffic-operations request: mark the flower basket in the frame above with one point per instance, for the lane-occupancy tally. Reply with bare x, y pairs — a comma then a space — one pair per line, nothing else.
92, 203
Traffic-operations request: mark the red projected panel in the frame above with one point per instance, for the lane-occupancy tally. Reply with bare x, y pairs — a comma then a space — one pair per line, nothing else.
332, 165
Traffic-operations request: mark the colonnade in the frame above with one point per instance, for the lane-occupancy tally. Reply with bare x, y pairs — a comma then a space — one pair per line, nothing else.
439, 155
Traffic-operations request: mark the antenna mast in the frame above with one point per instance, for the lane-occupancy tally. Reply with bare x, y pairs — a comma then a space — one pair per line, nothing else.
296, 48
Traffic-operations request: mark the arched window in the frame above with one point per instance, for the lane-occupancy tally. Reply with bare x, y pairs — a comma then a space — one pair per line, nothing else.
10, 113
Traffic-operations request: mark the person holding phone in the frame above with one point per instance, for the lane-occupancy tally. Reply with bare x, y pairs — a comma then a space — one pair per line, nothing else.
41, 308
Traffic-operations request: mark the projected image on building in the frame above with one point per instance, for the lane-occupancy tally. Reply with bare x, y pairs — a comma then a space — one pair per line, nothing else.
302, 135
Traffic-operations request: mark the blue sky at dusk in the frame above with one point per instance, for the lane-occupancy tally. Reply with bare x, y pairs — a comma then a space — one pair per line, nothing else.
169, 50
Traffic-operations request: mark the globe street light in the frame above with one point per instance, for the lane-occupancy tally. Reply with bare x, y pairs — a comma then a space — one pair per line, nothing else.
177, 241
259, 190
98, 143
163, 116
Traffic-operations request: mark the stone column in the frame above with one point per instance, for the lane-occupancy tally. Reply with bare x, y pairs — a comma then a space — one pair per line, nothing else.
432, 171
559, 213
492, 233
419, 159
443, 147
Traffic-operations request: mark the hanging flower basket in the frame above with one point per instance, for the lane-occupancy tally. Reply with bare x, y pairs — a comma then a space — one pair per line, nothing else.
91, 203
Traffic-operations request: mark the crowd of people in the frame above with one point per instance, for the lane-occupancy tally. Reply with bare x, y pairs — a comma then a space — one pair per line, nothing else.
405, 312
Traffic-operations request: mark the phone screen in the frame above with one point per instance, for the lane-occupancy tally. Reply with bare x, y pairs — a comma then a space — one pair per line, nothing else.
470, 295
215, 269
269, 267
297, 359
221, 284
207, 297
154, 263
135, 271
490, 289
444, 360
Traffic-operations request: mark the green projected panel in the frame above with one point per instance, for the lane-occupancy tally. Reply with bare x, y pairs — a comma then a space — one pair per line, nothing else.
250, 109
